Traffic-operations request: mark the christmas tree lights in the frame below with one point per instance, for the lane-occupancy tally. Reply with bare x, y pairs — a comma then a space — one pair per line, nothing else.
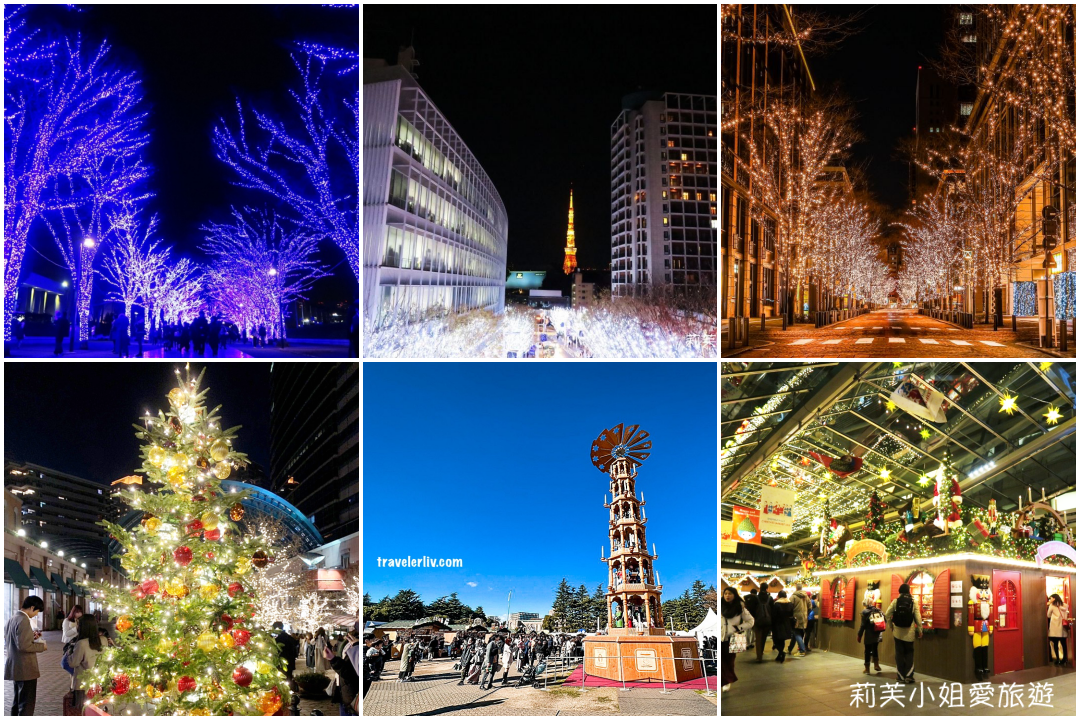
186, 640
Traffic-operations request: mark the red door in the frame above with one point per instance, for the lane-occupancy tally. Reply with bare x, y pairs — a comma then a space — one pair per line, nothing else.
1008, 637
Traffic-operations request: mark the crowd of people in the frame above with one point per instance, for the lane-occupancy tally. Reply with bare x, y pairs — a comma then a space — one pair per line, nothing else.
85, 636
749, 621
480, 656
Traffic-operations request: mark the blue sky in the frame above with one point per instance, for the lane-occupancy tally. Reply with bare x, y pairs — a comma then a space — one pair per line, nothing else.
489, 462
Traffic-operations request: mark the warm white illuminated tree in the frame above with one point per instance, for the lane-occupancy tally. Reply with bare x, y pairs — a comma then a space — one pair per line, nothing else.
133, 258
175, 291
313, 612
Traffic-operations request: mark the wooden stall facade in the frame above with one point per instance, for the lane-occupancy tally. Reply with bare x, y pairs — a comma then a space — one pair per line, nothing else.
945, 652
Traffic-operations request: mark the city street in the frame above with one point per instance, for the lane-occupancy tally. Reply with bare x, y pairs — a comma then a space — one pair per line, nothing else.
885, 334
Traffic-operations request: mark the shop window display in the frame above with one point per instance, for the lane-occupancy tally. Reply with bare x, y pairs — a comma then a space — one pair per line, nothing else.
922, 590
839, 594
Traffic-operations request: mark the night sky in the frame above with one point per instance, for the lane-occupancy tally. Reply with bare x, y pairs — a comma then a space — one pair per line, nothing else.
533, 91
877, 69
193, 62
76, 417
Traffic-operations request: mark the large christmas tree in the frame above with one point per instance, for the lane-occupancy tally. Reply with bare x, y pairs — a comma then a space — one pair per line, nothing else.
186, 643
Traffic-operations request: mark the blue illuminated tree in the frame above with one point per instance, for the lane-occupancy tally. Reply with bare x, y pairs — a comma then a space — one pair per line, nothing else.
311, 163
73, 133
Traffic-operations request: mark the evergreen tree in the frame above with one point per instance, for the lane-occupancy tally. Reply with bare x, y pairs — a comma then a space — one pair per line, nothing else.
406, 605
560, 608
479, 613
700, 606
185, 642
599, 608
548, 623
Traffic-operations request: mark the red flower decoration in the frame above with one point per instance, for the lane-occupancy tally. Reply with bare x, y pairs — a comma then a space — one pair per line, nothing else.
185, 683
213, 535
120, 684
235, 589
241, 637
182, 555
241, 676
149, 586
92, 692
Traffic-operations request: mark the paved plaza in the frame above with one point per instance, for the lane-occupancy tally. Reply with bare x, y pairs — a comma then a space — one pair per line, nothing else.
55, 681
435, 691
886, 334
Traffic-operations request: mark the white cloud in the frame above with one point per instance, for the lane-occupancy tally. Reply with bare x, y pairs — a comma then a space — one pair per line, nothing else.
471, 584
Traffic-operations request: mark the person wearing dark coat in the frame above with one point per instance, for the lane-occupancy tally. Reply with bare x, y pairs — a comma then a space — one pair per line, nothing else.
290, 648
347, 677
213, 335
198, 333
466, 659
61, 325
121, 345
783, 620
760, 607
873, 637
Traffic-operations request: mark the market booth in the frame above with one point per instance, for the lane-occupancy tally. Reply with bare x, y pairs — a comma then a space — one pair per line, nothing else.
941, 589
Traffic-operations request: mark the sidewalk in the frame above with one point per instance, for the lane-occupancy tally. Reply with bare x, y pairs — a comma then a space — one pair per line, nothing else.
43, 348
55, 682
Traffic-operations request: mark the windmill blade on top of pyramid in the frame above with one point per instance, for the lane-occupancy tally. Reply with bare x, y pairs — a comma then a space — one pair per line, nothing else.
619, 443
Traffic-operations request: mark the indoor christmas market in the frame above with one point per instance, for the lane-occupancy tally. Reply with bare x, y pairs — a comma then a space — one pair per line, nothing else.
904, 532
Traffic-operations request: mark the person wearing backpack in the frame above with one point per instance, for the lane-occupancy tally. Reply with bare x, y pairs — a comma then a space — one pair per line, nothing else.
800, 605
903, 614
811, 620
873, 626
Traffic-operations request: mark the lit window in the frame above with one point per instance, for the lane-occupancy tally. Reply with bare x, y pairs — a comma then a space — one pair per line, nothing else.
683, 157
712, 209
663, 117
665, 221
965, 18
699, 196
671, 143
664, 194
969, 38
966, 108
685, 195
712, 196
710, 133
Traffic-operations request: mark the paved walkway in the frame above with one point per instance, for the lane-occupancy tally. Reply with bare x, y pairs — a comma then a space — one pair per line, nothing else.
55, 681
43, 348
820, 684
435, 692
885, 334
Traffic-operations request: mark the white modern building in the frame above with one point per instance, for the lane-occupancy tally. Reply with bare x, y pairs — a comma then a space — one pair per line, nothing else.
663, 192
435, 228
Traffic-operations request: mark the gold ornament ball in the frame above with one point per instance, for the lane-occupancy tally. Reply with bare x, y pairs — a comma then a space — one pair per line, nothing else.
156, 456
177, 474
176, 396
219, 450
226, 641
152, 692
222, 470
180, 459
164, 646
206, 641
152, 525
236, 512
259, 559
198, 711
243, 565
269, 702
209, 592
176, 588
123, 623
263, 667
209, 521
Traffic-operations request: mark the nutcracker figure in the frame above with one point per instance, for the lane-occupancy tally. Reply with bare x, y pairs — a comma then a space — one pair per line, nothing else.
992, 517
980, 624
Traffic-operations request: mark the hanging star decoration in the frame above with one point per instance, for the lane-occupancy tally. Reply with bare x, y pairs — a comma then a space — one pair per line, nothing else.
1044, 366
890, 405
1052, 415
924, 480
925, 433
897, 363
885, 473
1008, 404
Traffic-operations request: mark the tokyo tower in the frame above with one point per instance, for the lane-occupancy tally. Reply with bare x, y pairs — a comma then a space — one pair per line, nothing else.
570, 263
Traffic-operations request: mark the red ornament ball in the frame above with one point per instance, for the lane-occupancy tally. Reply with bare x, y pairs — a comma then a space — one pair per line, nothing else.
120, 684
185, 684
138, 592
182, 555
209, 556
194, 526
241, 676
241, 637
235, 589
198, 498
93, 692
149, 586
227, 621
213, 535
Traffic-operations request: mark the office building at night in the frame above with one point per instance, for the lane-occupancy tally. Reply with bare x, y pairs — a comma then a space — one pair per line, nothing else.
314, 442
663, 192
435, 228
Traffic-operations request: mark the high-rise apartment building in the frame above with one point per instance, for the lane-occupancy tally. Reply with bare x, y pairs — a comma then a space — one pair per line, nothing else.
435, 228
663, 192
315, 442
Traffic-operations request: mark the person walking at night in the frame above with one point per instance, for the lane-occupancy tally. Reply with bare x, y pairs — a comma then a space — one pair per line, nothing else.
783, 618
60, 328
18, 330
290, 648
759, 606
811, 621
185, 339
903, 615
21, 644
213, 335
198, 333
872, 629
321, 666
1058, 615
121, 342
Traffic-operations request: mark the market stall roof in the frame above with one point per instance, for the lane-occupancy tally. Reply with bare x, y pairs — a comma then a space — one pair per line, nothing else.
39, 578
14, 574
1009, 428
59, 583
